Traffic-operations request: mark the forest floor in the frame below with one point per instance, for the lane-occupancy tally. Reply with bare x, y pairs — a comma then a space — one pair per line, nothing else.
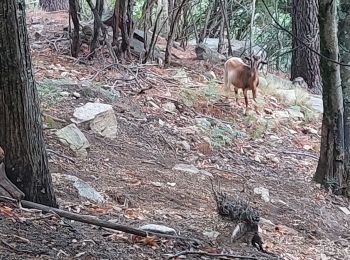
134, 171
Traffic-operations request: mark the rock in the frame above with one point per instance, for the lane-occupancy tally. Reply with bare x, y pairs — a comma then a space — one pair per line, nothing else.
105, 124
263, 192
206, 173
169, 107
101, 118
345, 210
211, 234
157, 184
158, 229
76, 95
203, 52
64, 94
300, 82
185, 145
203, 122
316, 103
288, 94
295, 112
186, 168
74, 138
262, 82
281, 114
88, 111
85, 190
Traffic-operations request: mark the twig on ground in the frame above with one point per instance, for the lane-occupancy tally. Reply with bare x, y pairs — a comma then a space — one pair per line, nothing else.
209, 254
15, 249
303, 154
61, 155
102, 223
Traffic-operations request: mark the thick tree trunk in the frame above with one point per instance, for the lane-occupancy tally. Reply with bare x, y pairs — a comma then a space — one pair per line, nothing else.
344, 42
54, 5
21, 134
331, 170
305, 63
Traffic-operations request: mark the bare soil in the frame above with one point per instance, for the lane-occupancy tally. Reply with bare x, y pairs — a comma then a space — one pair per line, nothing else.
134, 171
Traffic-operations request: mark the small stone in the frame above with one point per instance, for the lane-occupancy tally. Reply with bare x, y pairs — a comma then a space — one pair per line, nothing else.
309, 130
64, 94
161, 122
157, 184
76, 95
169, 107
211, 234
206, 173
172, 184
345, 210
185, 145
293, 132
158, 229
186, 168
263, 192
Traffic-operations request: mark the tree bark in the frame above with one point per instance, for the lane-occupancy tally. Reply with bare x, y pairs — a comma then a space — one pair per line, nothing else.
163, 6
305, 63
54, 5
344, 42
21, 133
73, 12
331, 170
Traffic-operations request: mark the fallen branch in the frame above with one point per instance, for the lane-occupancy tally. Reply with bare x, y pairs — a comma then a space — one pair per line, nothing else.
300, 153
61, 155
209, 254
98, 222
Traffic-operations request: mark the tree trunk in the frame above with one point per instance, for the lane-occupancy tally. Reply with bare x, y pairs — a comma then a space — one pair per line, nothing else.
305, 63
344, 42
54, 5
331, 165
21, 133
97, 27
73, 12
163, 6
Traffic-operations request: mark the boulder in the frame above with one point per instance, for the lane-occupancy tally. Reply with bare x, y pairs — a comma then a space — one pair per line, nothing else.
75, 139
204, 52
100, 117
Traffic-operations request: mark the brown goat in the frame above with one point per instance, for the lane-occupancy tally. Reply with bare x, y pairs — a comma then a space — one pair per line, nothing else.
241, 75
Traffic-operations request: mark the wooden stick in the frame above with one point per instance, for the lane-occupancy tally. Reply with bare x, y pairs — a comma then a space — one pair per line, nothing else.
210, 254
98, 222
304, 154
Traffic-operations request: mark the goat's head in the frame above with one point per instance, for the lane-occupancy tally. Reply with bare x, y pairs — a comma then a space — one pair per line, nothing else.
255, 61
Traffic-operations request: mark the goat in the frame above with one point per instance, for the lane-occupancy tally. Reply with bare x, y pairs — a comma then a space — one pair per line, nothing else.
241, 75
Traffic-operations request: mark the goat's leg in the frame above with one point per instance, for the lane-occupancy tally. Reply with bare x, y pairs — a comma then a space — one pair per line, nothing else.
245, 93
255, 102
236, 95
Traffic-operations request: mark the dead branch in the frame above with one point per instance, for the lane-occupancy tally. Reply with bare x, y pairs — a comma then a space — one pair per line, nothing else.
7, 189
61, 155
303, 154
203, 253
101, 223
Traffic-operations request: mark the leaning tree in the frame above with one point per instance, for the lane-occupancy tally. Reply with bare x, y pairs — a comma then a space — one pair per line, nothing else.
21, 133
333, 166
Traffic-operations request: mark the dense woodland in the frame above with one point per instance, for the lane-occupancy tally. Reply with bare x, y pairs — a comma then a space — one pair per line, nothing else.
298, 41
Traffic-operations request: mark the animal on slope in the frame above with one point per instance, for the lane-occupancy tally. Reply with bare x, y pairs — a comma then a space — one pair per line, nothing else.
243, 76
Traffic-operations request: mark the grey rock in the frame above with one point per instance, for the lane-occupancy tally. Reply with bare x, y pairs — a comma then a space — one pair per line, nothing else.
211, 234
185, 145
158, 229
263, 192
186, 168
64, 94
169, 107
84, 189
99, 116
71, 135
204, 52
